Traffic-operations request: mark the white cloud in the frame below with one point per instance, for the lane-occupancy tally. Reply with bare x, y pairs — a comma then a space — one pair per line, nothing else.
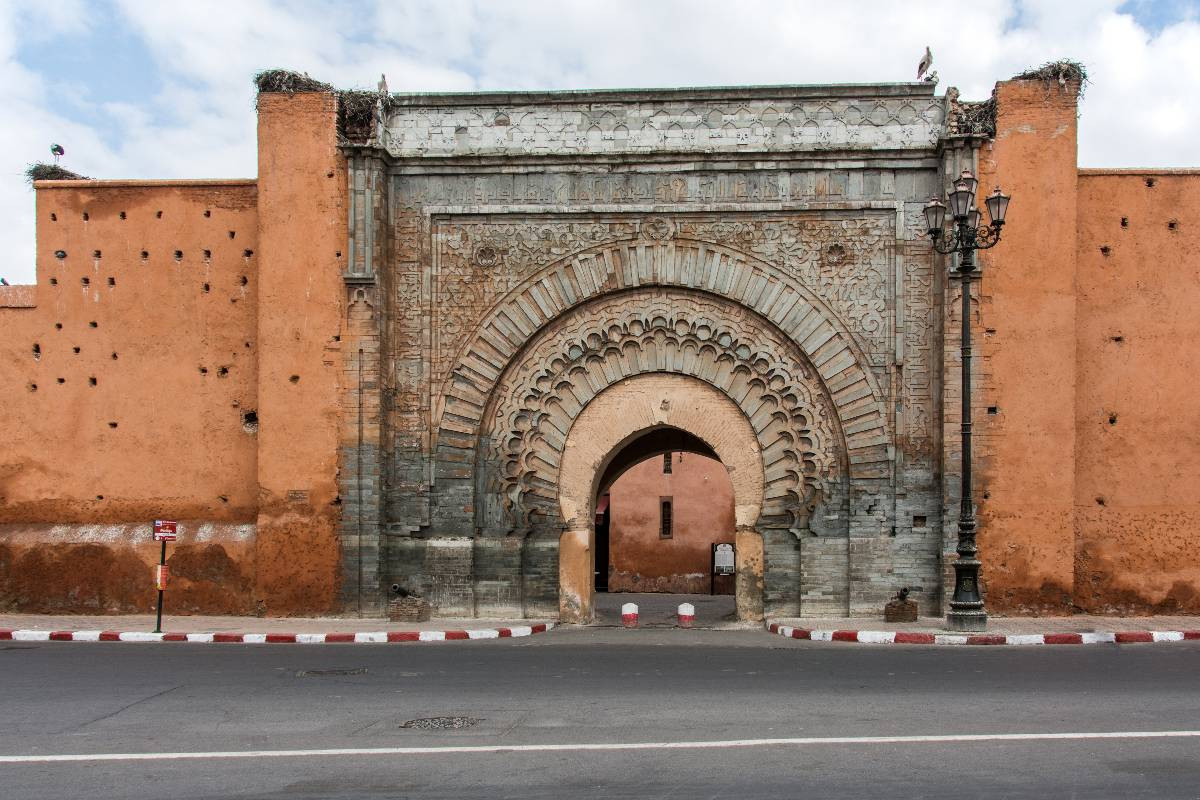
1137, 112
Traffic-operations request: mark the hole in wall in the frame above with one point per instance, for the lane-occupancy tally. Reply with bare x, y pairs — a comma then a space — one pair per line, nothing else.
987, 495
178, 255
32, 387
989, 331
232, 234
1112, 419
243, 280
85, 216
158, 215
329, 174
61, 380
1100, 501
1172, 224
246, 343
1118, 339
145, 255
993, 410
75, 349
58, 326
60, 254
99, 497
338, 254
223, 498
112, 281
919, 521
206, 288
114, 356
1150, 183
1105, 250
85, 280
247, 253
1124, 222
222, 372
91, 380
294, 379
207, 255
250, 421
53, 217
112, 424
337, 337
37, 352
54, 281
121, 215
93, 324
203, 370
207, 213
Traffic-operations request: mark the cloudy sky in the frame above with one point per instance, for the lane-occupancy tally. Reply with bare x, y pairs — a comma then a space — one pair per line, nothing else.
136, 89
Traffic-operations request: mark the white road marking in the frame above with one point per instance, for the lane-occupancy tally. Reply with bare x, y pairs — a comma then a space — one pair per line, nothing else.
601, 746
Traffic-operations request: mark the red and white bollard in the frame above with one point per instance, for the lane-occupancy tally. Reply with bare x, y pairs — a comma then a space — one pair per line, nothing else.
687, 615
629, 614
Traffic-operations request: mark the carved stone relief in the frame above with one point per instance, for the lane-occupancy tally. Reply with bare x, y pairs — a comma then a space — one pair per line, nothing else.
656, 330
914, 120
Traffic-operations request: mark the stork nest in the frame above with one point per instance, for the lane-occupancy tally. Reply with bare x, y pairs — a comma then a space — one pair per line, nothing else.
288, 82
356, 107
975, 118
51, 172
1062, 72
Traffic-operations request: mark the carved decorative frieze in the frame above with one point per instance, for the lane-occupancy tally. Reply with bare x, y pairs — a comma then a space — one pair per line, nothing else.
902, 121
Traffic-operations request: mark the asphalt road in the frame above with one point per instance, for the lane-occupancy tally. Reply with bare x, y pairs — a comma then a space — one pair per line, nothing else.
597, 687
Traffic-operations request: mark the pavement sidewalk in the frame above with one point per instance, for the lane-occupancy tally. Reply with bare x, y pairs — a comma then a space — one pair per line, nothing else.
258, 630
1081, 629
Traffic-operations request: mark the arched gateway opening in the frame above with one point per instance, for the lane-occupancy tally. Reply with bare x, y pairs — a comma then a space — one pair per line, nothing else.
664, 528
641, 417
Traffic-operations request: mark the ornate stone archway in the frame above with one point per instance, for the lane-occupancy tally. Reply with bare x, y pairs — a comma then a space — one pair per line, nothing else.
617, 416
521, 443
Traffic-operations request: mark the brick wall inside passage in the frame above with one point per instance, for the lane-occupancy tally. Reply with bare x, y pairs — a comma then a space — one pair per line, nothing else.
640, 560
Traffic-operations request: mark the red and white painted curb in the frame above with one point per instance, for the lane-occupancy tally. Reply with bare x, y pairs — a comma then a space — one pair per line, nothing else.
629, 615
687, 615
912, 637
371, 637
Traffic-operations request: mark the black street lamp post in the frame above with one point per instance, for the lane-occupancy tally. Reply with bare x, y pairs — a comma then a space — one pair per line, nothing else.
965, 237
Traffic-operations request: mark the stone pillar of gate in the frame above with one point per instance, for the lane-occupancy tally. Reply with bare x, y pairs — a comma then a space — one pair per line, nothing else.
576, 573
748, 582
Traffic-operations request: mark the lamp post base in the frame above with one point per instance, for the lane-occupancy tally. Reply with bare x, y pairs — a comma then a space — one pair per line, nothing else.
967, 619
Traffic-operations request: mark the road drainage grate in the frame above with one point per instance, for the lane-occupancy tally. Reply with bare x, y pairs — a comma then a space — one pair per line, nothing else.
441, 723
329, 673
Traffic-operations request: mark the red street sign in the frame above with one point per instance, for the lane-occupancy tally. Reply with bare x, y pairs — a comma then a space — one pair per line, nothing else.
165, 530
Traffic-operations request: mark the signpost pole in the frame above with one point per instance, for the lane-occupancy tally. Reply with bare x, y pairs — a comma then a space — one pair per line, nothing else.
165, 530
162, 560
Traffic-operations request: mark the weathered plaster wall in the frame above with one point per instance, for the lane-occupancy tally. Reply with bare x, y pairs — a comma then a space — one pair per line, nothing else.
1025, 409
303, 238
702, 506
1137, 453
127, 373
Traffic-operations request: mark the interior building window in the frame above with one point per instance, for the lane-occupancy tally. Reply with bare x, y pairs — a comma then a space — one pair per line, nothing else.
666, 463
665, 518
